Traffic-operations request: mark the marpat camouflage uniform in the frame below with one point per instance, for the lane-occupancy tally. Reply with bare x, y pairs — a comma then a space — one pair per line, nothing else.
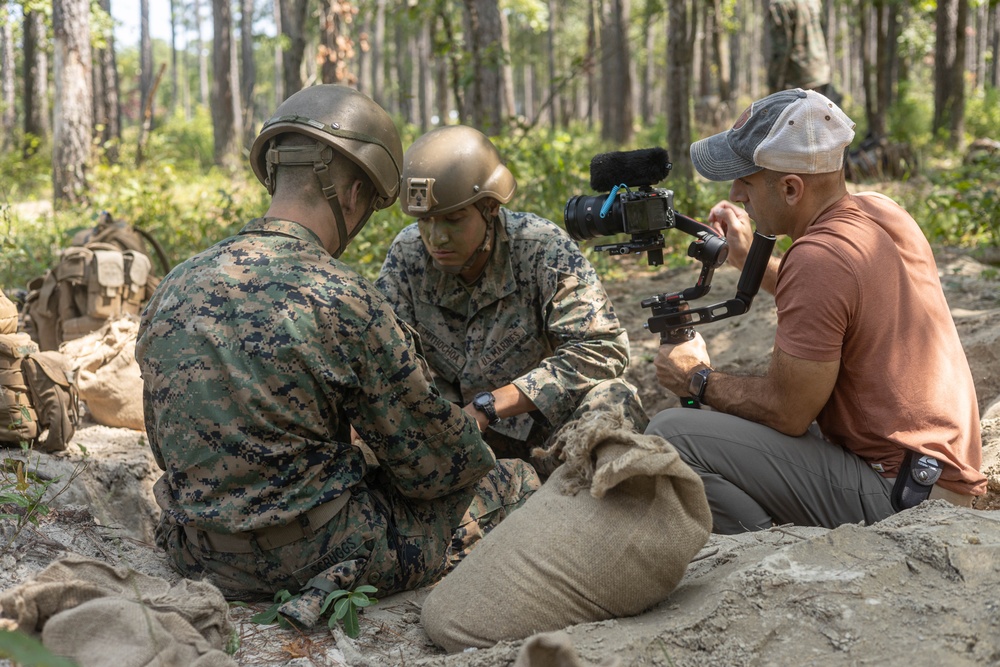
798, 47
257, 357
538, 317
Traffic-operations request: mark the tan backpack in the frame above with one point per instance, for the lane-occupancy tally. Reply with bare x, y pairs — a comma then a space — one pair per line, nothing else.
105, 274
39, 402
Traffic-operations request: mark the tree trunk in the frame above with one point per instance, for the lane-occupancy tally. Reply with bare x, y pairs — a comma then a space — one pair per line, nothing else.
453, 56
591, 60
279, 60
8, 117
403, 65
203, 93
234, 79
364, 55
107, 104
649, 70
293, 19
507, 71
174, 72
378, 48
336, 50
995, 46
487, 104
719, 52
145, 62
554, 105
680, 39
223, 122
36, 82
616, 103
425, 83
248, 71
441, 86
949, 59
73, 110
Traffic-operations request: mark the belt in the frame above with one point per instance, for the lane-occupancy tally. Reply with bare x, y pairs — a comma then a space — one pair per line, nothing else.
272, 537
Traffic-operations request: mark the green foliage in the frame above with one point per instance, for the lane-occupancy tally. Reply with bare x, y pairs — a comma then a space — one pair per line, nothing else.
345, 608
28, 651
270, 615
346, 605
982, 113
962, 206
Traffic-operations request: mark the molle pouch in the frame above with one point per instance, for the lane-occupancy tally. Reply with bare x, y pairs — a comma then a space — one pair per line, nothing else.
52, 384
71, 279
137, 268
18, 419
105, 284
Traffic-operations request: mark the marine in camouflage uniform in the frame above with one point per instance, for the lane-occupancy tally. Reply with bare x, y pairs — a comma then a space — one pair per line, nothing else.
261, 358
525, 311
799, 56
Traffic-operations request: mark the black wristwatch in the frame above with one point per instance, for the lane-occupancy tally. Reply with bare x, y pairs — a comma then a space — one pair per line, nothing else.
698, 384
486, 403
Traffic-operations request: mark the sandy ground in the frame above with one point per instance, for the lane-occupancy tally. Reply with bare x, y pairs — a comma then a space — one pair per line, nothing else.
920, 588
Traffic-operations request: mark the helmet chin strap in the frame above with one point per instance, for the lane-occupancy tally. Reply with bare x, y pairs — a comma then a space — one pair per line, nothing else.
319, 157
484, 248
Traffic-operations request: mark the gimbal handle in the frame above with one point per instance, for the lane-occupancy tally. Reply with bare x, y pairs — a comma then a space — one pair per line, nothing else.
674, 323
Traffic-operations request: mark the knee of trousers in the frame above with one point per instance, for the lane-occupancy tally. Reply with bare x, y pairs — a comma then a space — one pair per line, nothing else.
677, 426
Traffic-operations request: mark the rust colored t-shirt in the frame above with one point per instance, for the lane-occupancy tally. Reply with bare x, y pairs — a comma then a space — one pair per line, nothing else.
861, 286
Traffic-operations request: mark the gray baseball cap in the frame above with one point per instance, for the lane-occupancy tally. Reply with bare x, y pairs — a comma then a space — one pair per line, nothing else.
795, 131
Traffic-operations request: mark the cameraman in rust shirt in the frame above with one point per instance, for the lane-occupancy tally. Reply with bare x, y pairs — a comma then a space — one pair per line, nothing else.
868, 406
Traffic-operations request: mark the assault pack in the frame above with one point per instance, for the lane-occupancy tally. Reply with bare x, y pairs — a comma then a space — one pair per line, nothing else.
104, 274
39, 404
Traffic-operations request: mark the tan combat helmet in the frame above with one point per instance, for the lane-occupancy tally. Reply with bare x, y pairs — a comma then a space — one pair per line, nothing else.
338, 118
452, 167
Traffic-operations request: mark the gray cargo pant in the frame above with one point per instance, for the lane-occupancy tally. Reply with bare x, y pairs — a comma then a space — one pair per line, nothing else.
756, 477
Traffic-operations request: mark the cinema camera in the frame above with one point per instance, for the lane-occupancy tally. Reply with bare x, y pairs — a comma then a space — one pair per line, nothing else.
634, 207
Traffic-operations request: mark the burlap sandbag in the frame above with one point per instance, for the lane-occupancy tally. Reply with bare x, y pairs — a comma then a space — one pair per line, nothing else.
8, 315
566, 557
109, 379
101, 615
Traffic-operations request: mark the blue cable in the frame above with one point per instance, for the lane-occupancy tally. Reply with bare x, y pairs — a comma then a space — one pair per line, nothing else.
610, 200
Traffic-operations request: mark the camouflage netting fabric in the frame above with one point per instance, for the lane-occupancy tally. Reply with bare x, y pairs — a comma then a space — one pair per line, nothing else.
566, 557
100, 615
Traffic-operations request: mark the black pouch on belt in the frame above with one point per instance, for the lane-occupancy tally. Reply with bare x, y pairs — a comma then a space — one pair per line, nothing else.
917, 476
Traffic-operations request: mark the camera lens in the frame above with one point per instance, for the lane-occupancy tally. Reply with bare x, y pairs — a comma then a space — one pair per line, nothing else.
582, 218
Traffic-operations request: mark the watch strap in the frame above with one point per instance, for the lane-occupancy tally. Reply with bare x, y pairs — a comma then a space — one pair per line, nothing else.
485, 402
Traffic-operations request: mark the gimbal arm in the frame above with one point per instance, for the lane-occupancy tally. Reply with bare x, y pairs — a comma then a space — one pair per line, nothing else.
672, 322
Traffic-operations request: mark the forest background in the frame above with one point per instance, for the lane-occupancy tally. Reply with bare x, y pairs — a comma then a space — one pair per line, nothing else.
157, 133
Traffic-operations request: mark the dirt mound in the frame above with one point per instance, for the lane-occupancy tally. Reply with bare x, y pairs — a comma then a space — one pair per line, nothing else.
919, 588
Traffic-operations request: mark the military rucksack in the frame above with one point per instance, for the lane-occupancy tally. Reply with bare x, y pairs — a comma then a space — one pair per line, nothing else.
38, 395
104, 274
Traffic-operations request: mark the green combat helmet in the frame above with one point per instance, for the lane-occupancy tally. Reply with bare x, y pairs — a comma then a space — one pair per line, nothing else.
340, 119
450, 168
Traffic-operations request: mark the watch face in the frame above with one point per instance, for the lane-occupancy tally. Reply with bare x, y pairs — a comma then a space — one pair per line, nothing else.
482, 400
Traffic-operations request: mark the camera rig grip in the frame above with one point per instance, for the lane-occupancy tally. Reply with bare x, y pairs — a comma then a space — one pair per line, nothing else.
673, 320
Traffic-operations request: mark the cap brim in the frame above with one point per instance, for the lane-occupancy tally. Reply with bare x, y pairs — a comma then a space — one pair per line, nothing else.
716, 161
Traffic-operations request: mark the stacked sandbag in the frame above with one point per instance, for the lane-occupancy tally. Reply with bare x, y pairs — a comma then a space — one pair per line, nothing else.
108, 375
567, 557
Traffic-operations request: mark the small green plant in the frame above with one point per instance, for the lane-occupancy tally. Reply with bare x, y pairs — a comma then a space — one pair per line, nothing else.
22, 495
345, 608
346, 605
271, 615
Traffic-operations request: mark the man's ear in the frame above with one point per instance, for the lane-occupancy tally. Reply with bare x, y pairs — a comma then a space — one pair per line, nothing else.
791, 188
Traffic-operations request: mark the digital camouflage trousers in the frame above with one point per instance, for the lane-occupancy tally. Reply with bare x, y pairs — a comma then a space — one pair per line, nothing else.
379, 538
